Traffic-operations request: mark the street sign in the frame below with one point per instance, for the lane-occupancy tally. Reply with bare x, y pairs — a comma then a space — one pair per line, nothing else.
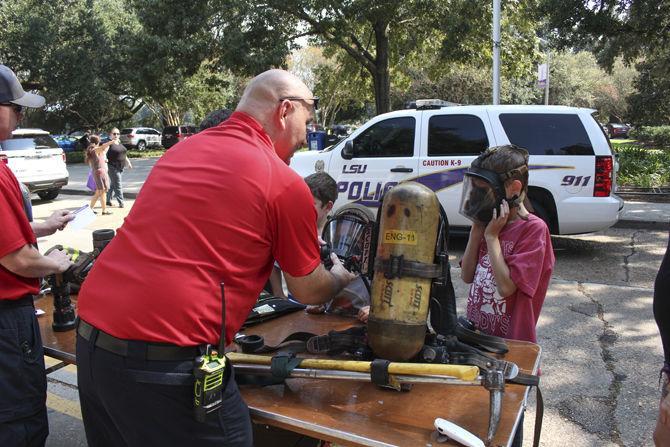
542, 72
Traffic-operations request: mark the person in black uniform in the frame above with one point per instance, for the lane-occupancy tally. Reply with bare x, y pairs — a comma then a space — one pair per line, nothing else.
117, 161
662, 316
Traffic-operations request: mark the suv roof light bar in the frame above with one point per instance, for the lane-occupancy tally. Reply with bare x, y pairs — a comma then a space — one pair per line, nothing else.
428, 104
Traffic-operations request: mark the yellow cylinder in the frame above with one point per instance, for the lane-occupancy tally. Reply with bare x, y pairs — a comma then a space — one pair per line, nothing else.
399, 306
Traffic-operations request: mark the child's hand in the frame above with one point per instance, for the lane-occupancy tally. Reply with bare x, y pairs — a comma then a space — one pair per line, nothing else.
496, 225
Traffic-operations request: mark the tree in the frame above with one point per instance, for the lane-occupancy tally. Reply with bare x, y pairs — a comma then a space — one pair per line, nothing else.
378, 35
335, 80
610, 28
67, 51
637, 30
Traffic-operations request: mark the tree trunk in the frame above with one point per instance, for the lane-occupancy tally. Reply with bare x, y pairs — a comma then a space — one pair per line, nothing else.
380, 76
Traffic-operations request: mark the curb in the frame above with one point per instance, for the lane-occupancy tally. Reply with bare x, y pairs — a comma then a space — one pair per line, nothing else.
641, 224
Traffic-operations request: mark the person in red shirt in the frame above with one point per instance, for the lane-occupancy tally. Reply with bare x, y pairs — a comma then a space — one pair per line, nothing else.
23, 414
219, 207
509, 258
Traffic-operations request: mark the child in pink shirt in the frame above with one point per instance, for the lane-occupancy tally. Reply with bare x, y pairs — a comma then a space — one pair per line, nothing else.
509, 257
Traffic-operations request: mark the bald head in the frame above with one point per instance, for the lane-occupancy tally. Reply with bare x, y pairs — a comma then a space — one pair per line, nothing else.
263, 92
284, 120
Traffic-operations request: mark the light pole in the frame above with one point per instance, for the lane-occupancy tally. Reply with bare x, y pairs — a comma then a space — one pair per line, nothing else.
496, 52
546, 80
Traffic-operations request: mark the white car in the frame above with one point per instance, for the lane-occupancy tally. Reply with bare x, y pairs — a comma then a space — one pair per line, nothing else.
572, 179
36, 160
140, 137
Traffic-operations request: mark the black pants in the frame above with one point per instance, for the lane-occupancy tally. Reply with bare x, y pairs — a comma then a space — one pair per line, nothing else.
129, 401
23, 385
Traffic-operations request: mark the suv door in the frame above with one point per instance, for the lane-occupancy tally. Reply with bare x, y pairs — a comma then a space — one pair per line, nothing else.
383, 155
452, 139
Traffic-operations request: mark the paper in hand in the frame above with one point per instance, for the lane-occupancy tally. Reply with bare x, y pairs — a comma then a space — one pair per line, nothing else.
82, 217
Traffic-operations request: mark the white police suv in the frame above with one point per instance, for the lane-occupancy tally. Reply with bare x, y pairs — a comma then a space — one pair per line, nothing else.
572, 168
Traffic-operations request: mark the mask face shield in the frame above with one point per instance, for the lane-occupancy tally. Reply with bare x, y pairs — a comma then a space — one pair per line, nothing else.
482, 192
348, 234
343, 235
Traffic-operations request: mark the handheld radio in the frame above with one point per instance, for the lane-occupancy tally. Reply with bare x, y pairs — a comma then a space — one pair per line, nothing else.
209, 372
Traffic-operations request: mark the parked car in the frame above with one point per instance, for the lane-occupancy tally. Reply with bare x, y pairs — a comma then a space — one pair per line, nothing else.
36, 160
140, 137
174, 134
618, 130
66, 142
572, 179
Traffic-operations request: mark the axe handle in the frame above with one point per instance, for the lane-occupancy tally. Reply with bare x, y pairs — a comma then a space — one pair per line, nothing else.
463, 372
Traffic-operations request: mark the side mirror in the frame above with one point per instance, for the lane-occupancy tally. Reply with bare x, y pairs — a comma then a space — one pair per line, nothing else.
348, 150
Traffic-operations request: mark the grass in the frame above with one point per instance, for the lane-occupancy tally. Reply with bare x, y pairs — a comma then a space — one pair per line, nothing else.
641, 166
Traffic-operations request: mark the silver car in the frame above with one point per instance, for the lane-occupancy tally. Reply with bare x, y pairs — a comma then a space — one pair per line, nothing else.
140, 137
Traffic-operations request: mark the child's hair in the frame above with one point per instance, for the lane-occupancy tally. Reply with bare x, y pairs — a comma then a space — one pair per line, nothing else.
323, 187
509, 160
93, 142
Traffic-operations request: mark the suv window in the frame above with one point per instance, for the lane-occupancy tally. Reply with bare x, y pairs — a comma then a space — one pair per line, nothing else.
126, 131
547, 133
393, 137
170, 129
456, 135
25, 142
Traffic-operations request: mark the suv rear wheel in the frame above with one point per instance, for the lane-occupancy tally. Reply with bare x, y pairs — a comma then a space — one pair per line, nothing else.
141, 145
49, 194
544, 207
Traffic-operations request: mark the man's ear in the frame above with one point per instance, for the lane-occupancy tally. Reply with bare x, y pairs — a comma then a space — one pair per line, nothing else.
329, 206
281, 114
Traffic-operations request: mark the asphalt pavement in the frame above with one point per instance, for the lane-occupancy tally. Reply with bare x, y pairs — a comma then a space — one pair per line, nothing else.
601, 349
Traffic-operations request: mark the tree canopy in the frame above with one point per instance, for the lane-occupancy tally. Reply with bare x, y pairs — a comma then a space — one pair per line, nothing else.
636, 30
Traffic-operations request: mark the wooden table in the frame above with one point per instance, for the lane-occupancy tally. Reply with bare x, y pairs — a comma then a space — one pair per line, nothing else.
354, 413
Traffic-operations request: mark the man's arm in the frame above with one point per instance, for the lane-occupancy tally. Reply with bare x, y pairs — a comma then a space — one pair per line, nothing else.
276, 282
57, 221
321, 285
29, 263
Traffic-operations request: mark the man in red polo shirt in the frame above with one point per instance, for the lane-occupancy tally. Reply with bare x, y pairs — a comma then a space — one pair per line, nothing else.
23, 412
220, 206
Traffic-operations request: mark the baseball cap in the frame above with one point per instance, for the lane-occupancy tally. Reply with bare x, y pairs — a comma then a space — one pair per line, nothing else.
11, 90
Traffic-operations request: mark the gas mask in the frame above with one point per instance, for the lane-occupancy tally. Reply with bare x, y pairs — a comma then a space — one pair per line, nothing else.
348, 234
483, 191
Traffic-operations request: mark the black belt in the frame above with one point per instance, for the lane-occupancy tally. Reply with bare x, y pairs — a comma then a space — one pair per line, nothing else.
26, 300
154, 351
